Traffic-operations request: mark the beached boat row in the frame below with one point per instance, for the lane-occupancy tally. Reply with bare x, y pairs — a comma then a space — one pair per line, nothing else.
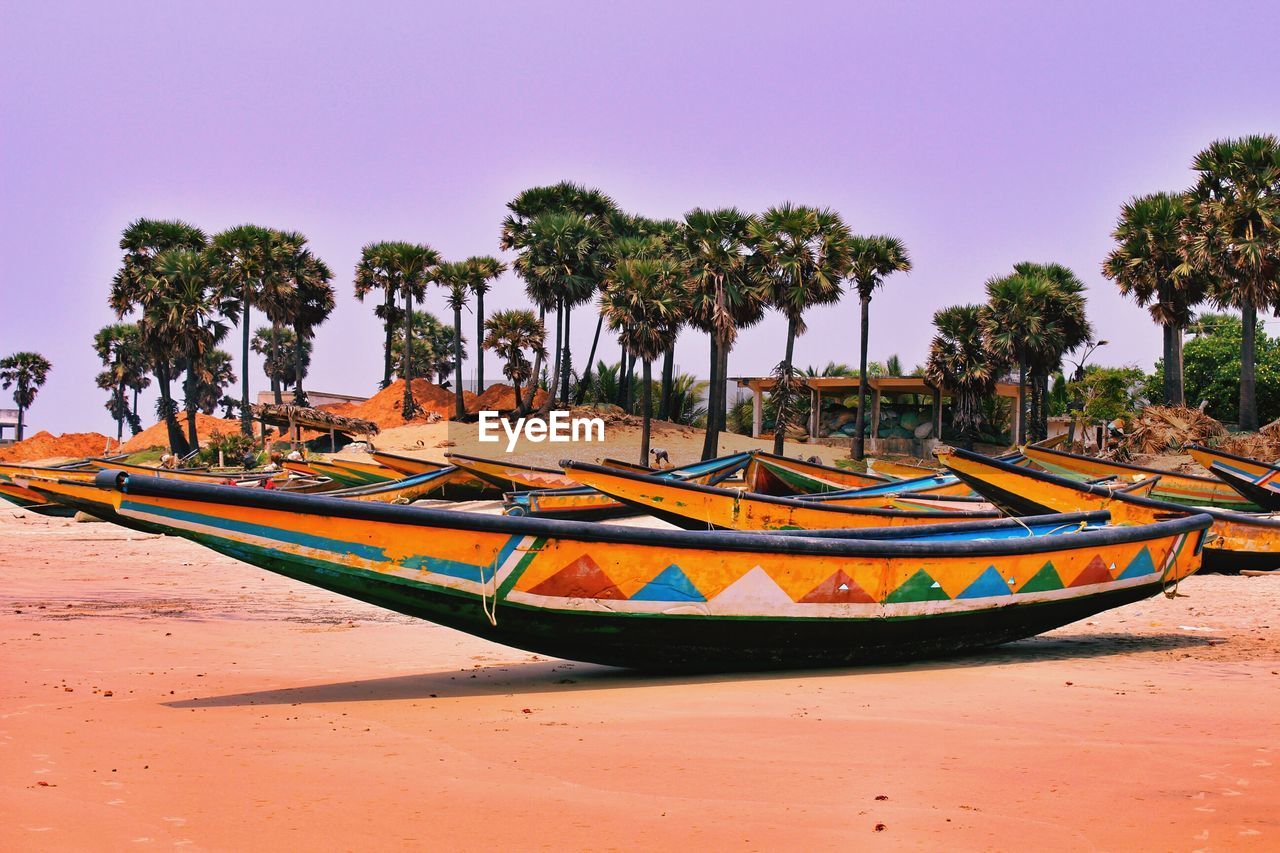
841, 567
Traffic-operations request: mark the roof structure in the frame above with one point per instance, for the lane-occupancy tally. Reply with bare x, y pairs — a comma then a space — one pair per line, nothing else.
289, 416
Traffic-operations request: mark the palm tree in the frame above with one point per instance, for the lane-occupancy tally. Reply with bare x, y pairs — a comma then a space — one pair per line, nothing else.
1144, 264
119, 346
301, 286
643, 302
135, 286
373, 273
961, 364
405, 269
486, 270
724, 296
315, 302
874, 258
455, 277
280, 350
248, 264
1233, 235
509, 334
28, 371
559, 285
1014, 327
802, 254
216, 373
186, 310
1066, 328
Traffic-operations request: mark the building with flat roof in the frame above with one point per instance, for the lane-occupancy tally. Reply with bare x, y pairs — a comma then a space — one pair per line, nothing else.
9, 421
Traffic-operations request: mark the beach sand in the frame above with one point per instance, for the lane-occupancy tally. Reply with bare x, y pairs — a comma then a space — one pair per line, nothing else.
155, 694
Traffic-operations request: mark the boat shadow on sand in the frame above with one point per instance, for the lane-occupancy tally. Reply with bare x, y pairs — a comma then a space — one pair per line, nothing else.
561, 676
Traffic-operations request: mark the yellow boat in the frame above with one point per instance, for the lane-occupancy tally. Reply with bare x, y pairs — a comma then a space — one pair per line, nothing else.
768, 474
511, 476
667, 600
899, 470
372, 472
1236, 540
1186, 489
407, 465
696, 507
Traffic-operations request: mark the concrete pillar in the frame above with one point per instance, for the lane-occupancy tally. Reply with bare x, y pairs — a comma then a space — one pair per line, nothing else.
757, 411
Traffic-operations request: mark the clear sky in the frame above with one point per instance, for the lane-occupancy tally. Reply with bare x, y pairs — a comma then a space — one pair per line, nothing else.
982, 134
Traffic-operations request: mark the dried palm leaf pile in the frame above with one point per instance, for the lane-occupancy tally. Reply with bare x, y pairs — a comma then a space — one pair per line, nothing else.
1160, 429
1263, 445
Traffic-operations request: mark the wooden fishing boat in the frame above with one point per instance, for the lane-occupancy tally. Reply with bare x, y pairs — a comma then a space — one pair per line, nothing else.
768, 474
512, 476
344, 477
1187, 489
32, 501
195, 476
407, 465
695, 507
938, 485
584, 503
402, 491
898, 470
683, 600
92, 499
1255, 481
369, 472
1236, 540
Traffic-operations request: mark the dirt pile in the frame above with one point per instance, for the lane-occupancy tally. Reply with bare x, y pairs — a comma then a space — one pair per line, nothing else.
386, 408
1159, 429
157, 435
70, 445
501, 398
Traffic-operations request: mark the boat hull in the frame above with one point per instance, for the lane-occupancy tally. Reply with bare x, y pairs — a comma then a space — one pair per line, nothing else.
768, 474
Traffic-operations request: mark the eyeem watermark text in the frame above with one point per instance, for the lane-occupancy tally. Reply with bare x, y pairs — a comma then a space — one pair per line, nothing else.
558, 428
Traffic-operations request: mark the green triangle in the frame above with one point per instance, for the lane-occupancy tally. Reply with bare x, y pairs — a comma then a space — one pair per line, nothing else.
919, 587
1043, 580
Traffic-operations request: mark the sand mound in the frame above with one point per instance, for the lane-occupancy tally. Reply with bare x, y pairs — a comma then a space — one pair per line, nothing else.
386, 407
157, 435
501, 398
70, 445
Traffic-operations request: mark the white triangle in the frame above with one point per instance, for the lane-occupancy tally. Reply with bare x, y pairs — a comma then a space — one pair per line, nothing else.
753, 594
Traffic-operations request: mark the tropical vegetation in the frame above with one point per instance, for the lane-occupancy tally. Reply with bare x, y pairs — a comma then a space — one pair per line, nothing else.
25, 373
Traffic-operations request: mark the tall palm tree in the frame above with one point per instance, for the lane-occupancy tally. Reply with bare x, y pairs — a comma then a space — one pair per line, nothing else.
1067, 328
644, 303
119, 346
1145, 265
373, 273
135, 286
724, 295
509, 333
801, 254
961, 364
315, 302
28, 371
1014, 327
455, 277
279, 349
282, 299
248, 266
186, 310
487, 269
403, 269
874, 259
1233, 235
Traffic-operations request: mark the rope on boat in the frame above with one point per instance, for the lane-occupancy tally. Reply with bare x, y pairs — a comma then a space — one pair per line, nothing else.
490, 611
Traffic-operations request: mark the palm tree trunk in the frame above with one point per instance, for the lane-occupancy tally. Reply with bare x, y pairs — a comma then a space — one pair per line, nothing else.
710, 441
646, 404
276, 382
1248, 373
555, 367
668, 381
1021, 438
135, 412
299, 396
177, 443
784, 398
859, 439
537, 359
124, 411
406, 364
390, 330
628, 391
189, 392
479, 341
591, 360
22, 410
459, 405
722, 392
1167, 350
567, 365
246, 416
1179, 382
519, 406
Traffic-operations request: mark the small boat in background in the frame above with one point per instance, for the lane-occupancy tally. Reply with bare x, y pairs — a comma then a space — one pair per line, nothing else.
511, 476
1257, 482
768, 474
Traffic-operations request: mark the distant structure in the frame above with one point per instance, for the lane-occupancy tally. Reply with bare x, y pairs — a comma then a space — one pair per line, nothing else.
8, 420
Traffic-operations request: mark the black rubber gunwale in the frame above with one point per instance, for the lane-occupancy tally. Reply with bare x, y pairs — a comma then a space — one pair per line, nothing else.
585, 531
516, 465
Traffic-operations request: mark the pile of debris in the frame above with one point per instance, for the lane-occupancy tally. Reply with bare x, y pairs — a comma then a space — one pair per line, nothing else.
1160, 429
1262, 445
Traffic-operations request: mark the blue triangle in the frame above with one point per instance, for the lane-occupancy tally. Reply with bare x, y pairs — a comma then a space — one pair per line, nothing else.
671, 584
988, 583
1141, 565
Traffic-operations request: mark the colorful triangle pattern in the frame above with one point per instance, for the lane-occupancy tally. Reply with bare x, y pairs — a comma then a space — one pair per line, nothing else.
671, 584
583, 578
987, 584
919, 587
1042, 581
837, 589
1095, 572
1140, 565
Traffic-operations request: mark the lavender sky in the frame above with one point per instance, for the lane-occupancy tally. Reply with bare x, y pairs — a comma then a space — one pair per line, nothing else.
981, 133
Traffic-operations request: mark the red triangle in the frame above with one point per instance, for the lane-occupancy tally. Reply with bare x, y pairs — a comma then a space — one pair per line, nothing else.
582, 578
837, 589
1095, 572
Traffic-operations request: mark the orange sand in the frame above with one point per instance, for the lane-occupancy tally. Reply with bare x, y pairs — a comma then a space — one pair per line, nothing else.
386, 408
153, 693
502, 398
157, 435
69, 445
